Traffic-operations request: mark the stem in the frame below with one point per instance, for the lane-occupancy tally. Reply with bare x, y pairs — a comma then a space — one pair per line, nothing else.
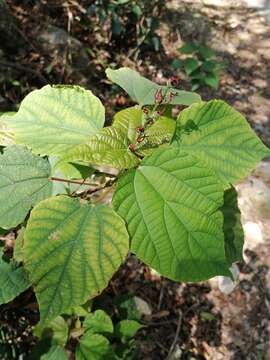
80, 182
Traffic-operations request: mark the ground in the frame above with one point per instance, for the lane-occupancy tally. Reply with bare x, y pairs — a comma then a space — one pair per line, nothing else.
186, 321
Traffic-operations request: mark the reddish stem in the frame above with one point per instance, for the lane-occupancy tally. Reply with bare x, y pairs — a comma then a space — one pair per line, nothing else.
82, 182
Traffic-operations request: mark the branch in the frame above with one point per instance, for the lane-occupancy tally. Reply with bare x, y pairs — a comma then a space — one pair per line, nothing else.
79, 182
176, 335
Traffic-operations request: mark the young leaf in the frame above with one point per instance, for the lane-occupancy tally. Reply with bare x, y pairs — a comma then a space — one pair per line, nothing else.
170, 204
71, 251
92, 346
223, 140
98, 322
24, 181
159, 134
55, 118
127, 329
108, 147
232, 227
143, 91
128, 120
56, 352
13, 281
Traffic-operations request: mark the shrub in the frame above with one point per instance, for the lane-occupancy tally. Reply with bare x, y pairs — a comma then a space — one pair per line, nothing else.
174, 204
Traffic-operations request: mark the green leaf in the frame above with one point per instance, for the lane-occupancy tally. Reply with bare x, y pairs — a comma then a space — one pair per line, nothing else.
160, 133
55, 118
209, 65
55, 353
98, 322
190, 65
128, 120
143, 91
108, 147
92, 346
127, 329
71, 252
206, 52
223, 140
177, 64
68, 170
18, 248
187, 48
6, 134
212, 80
57, 330
24, 181
170, 204
13, 281
232, 227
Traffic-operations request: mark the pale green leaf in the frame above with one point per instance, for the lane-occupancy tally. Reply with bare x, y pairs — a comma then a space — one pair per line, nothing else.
55, 118
6, 134
18, 248
92, 346
55, 353
159, 134
232, 227
142, 90
128, 120
221, 137
13, 281
127, 328
68, 170
24, 181
108, 147
71, 252
98, 322
170, 204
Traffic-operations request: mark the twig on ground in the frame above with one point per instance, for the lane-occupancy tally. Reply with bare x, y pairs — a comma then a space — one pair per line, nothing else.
176, 335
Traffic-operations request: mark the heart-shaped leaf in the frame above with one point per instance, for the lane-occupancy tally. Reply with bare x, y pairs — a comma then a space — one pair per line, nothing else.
143, 91
71, 251
221, 137
55, 118
170, 204
24, 181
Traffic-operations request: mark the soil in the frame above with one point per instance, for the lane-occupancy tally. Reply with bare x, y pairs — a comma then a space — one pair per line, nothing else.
189, 321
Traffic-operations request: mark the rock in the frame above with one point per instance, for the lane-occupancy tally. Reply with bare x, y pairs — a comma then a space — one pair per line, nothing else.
227, 285
260, 83
58, 42
142, 306
253, 235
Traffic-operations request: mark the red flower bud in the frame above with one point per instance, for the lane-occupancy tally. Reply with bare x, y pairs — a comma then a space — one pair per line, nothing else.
140, 129
140, 139
145, 111
159, 113
159, 96
174, 81
131, 147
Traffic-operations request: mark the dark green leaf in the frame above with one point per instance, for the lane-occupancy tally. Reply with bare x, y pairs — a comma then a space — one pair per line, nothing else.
232, 227
190, 65
187, 48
